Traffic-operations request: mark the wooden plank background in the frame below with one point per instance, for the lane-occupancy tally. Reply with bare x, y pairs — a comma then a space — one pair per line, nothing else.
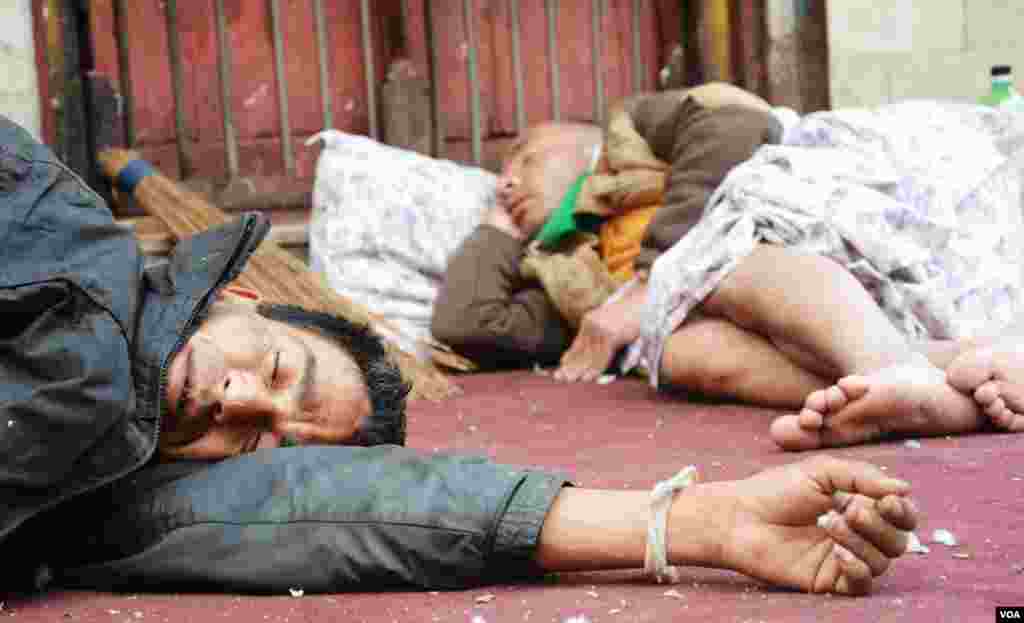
400, 29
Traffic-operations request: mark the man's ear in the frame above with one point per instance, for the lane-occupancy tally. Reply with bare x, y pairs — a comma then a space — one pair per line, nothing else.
239, 296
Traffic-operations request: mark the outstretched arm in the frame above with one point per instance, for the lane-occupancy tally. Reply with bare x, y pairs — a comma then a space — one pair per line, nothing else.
766, 526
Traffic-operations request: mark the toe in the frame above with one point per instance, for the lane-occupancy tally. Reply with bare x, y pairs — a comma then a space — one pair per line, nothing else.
811, 421
854, 386
1012, 395
817, 401
787, 432
987, 393
971, 369
1003, 419
995, 408
835, 398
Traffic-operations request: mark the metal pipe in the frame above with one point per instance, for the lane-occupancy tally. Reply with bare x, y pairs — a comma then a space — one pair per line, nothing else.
638, 68
551, 17
597, 57
437, 132
371, 72
224, 72
124, 71
282, 89
181, 138
517, 68
468, 17
322, 60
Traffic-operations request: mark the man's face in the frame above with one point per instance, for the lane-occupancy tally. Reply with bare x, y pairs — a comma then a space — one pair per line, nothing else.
536, 174
244, 382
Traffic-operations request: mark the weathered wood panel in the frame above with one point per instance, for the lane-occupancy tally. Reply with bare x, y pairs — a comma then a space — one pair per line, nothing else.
556, 44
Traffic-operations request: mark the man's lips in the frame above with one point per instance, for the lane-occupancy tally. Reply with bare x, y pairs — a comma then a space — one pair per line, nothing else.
517, 210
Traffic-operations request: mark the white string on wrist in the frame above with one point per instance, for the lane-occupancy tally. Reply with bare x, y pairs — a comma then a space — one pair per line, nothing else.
656, 554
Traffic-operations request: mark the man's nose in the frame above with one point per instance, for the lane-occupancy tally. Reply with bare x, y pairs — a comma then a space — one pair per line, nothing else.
508, 183
246, 398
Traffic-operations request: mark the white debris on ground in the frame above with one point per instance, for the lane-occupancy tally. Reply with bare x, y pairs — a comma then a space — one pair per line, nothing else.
962, 555
914, 545
296, 592
485, 598
945, 537
605, 379
912, 443
577, 619
539, 371
673, 593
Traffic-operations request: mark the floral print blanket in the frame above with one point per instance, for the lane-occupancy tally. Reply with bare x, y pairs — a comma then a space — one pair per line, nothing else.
920, 200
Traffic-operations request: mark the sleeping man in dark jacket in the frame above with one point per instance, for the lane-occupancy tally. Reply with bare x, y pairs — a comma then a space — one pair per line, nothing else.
106, 367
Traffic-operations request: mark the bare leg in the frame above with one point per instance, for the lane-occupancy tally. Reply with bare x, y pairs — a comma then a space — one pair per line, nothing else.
717, 358
812, 303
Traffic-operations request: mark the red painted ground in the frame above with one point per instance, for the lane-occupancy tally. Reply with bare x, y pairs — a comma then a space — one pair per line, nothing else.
622, 435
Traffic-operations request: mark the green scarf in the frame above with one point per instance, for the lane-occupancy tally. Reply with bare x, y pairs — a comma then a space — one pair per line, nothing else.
564, 221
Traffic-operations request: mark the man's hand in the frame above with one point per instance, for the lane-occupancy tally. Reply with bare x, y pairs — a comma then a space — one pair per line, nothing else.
603, 331
773, 532
499, 218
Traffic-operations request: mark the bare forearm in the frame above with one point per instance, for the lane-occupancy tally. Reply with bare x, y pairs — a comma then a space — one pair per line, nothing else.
594, 529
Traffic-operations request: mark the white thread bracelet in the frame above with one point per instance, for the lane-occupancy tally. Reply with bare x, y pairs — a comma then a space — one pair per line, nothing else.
656, 554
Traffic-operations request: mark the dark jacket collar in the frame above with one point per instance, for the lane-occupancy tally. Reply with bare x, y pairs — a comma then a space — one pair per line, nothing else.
176, 296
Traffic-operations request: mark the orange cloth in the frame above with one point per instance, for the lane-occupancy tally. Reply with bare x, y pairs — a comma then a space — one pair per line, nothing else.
620, 238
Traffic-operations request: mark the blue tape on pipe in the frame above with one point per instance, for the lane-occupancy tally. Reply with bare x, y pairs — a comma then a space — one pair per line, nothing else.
132, 174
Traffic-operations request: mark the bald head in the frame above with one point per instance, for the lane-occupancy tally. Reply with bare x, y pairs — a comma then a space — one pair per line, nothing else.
540, 168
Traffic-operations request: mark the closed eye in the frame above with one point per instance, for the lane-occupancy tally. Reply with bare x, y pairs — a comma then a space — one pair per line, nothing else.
277, 365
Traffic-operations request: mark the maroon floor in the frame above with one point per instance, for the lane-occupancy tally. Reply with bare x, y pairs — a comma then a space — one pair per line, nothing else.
622, 435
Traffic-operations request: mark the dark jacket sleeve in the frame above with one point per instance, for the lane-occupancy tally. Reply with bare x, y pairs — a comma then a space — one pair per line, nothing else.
702, 145
487, 312
320, 518
69, 279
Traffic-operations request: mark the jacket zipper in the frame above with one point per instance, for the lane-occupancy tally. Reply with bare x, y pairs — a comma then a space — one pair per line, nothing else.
228, 277
165, 367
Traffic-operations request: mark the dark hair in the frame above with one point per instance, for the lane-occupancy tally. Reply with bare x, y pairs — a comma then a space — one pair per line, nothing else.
384, 382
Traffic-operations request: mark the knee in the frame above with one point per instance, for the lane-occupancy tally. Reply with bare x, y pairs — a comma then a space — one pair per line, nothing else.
702, 363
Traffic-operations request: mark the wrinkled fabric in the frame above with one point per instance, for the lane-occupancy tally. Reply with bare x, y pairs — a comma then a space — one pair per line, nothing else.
87, 333
84, 348
319, 518
385, 222
921, 201
573, 275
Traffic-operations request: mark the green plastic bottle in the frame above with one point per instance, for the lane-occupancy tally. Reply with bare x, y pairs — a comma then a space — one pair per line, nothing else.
1003, 94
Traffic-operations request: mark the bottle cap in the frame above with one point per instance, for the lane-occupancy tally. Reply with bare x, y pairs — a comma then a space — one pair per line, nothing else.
1001, 70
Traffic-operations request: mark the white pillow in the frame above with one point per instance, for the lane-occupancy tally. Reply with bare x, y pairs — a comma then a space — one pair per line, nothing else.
386, 220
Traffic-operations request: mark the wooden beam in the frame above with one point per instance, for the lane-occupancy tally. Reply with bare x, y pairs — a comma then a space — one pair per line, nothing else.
156, 238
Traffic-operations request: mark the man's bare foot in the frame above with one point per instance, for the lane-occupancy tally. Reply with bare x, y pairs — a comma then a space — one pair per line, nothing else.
907, 399
994, 376
820, 525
